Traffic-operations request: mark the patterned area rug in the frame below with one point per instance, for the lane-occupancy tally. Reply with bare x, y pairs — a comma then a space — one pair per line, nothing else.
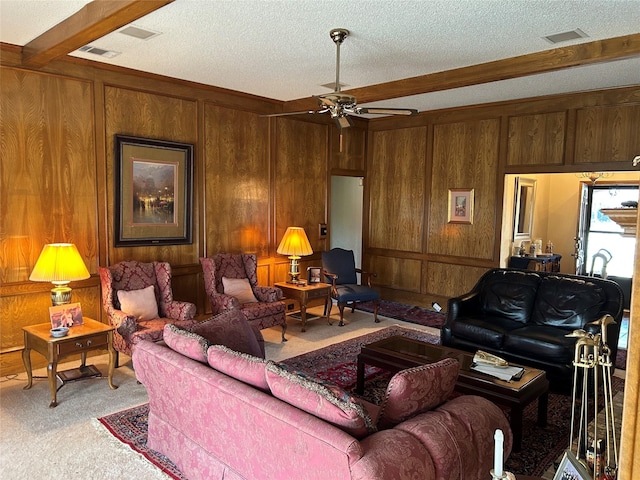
337, 364
408, 313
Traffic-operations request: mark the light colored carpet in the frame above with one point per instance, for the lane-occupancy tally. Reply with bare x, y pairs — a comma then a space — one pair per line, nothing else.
67, 442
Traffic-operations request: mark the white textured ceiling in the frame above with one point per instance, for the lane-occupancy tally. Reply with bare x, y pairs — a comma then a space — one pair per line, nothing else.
281, 49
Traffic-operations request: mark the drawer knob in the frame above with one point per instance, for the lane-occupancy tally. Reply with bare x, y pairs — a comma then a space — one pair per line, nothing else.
79, 344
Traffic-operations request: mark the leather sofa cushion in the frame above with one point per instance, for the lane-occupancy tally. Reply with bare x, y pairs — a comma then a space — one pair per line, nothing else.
567, 303
541, 342
484, 330
510, 294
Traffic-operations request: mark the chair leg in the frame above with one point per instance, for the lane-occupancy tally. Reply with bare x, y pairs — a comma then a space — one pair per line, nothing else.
341, 308
328, 306
284, 329
375, 311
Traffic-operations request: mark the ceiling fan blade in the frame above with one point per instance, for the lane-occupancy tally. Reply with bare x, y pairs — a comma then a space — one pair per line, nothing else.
385, 111
323, 100
294, 113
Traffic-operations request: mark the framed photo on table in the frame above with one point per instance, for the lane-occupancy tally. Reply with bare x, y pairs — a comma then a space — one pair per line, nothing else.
314, 275
153, 192
460, 205
571, 469
69, 315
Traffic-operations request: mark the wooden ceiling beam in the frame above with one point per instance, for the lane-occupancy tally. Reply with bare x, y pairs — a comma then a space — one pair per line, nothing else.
531, 64
94, 20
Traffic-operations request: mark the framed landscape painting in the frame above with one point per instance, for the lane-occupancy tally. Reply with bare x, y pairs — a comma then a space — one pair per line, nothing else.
460, 205
153, 192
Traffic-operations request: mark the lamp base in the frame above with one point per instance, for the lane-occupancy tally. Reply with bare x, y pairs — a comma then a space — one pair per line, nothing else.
60, 295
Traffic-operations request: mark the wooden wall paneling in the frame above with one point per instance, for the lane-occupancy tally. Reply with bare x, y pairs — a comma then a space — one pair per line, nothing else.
301, 184
465, 155
395, 272
48, 175
396, 179
448, 280
237, 188
607, 134
537, 139
155, 116
348, 150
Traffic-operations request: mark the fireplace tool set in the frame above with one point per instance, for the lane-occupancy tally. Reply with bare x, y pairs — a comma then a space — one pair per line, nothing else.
597, 450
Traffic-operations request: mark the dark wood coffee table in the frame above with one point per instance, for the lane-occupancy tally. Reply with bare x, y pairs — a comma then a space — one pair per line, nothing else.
398, 353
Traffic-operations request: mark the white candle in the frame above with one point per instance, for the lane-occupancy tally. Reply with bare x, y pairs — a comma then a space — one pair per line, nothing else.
497, 459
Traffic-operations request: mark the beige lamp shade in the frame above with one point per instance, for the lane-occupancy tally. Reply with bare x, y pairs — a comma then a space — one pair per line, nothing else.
295, 244
59, 263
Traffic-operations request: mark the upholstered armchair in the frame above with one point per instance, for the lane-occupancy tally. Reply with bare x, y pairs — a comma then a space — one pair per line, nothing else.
138, 300
231, 282
339, 267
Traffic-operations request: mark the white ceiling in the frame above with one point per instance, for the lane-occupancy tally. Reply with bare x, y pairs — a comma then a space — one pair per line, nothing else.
281, 49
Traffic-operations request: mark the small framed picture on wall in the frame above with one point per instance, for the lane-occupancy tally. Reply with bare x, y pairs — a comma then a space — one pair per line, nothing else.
460, 205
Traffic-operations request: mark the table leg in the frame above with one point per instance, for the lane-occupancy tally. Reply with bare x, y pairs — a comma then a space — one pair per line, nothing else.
26, 359
112, 361
303, 315
516, 427
543, 403
327, 310
360, 377
51, 373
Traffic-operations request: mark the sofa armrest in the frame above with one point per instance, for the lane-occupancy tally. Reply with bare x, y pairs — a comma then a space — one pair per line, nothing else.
221, 303
178, 310
267, 294
125, 324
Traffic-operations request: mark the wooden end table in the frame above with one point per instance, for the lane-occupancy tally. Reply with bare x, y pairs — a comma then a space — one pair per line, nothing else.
398, 353
304, 293
91, 335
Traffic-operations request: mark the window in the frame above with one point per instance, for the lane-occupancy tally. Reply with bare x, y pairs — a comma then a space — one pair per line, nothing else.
603, 233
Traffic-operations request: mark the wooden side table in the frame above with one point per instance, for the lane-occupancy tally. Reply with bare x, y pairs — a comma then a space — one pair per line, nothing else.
92, 335
304, 293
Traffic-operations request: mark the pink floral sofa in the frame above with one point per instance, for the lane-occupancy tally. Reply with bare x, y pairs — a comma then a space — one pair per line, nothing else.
221, 414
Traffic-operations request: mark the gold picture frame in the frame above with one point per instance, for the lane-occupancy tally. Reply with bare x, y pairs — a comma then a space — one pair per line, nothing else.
154, 192
460, 206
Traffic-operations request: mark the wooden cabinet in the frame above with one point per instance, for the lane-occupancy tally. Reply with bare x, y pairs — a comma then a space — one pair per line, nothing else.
543, 263
537, 139
607, 134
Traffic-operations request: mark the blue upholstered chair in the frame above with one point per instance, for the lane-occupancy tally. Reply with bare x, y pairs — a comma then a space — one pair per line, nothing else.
340, 271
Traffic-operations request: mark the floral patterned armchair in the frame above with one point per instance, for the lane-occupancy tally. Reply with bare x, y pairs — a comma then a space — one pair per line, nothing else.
134, 278
263, 309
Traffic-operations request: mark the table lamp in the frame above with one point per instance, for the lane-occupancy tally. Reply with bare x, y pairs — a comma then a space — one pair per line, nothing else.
295, 244
59, 263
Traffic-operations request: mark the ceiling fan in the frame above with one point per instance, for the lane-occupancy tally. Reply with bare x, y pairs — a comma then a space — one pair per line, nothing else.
340, 105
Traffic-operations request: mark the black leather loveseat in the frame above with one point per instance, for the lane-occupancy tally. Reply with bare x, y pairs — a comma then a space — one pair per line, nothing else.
523, 316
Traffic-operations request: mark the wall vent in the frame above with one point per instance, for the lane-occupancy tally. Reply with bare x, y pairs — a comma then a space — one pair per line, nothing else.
99, 51
566, 36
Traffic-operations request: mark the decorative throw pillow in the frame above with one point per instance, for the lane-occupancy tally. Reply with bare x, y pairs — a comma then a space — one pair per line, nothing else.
141, 303
185, 342
239, 288
416, 390
241, 366
232, 330
328, 402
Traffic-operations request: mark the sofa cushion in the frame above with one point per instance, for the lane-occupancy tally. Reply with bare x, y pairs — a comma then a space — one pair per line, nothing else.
509, 294
232, 330
416, 390
142, 303
484, 330
328, 402
185, 342
568, 303
239, 288
241, 366
541, 342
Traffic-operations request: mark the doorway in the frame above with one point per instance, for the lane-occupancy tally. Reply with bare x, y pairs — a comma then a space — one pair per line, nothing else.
345, 227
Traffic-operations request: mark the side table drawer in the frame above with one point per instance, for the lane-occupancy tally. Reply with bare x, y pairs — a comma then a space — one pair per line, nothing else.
78, 345
318, 293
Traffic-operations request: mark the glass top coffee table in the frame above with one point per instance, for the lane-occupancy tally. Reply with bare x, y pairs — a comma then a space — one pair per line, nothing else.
398, 353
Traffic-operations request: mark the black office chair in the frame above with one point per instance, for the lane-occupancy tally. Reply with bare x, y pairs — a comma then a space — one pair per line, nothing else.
340, 271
